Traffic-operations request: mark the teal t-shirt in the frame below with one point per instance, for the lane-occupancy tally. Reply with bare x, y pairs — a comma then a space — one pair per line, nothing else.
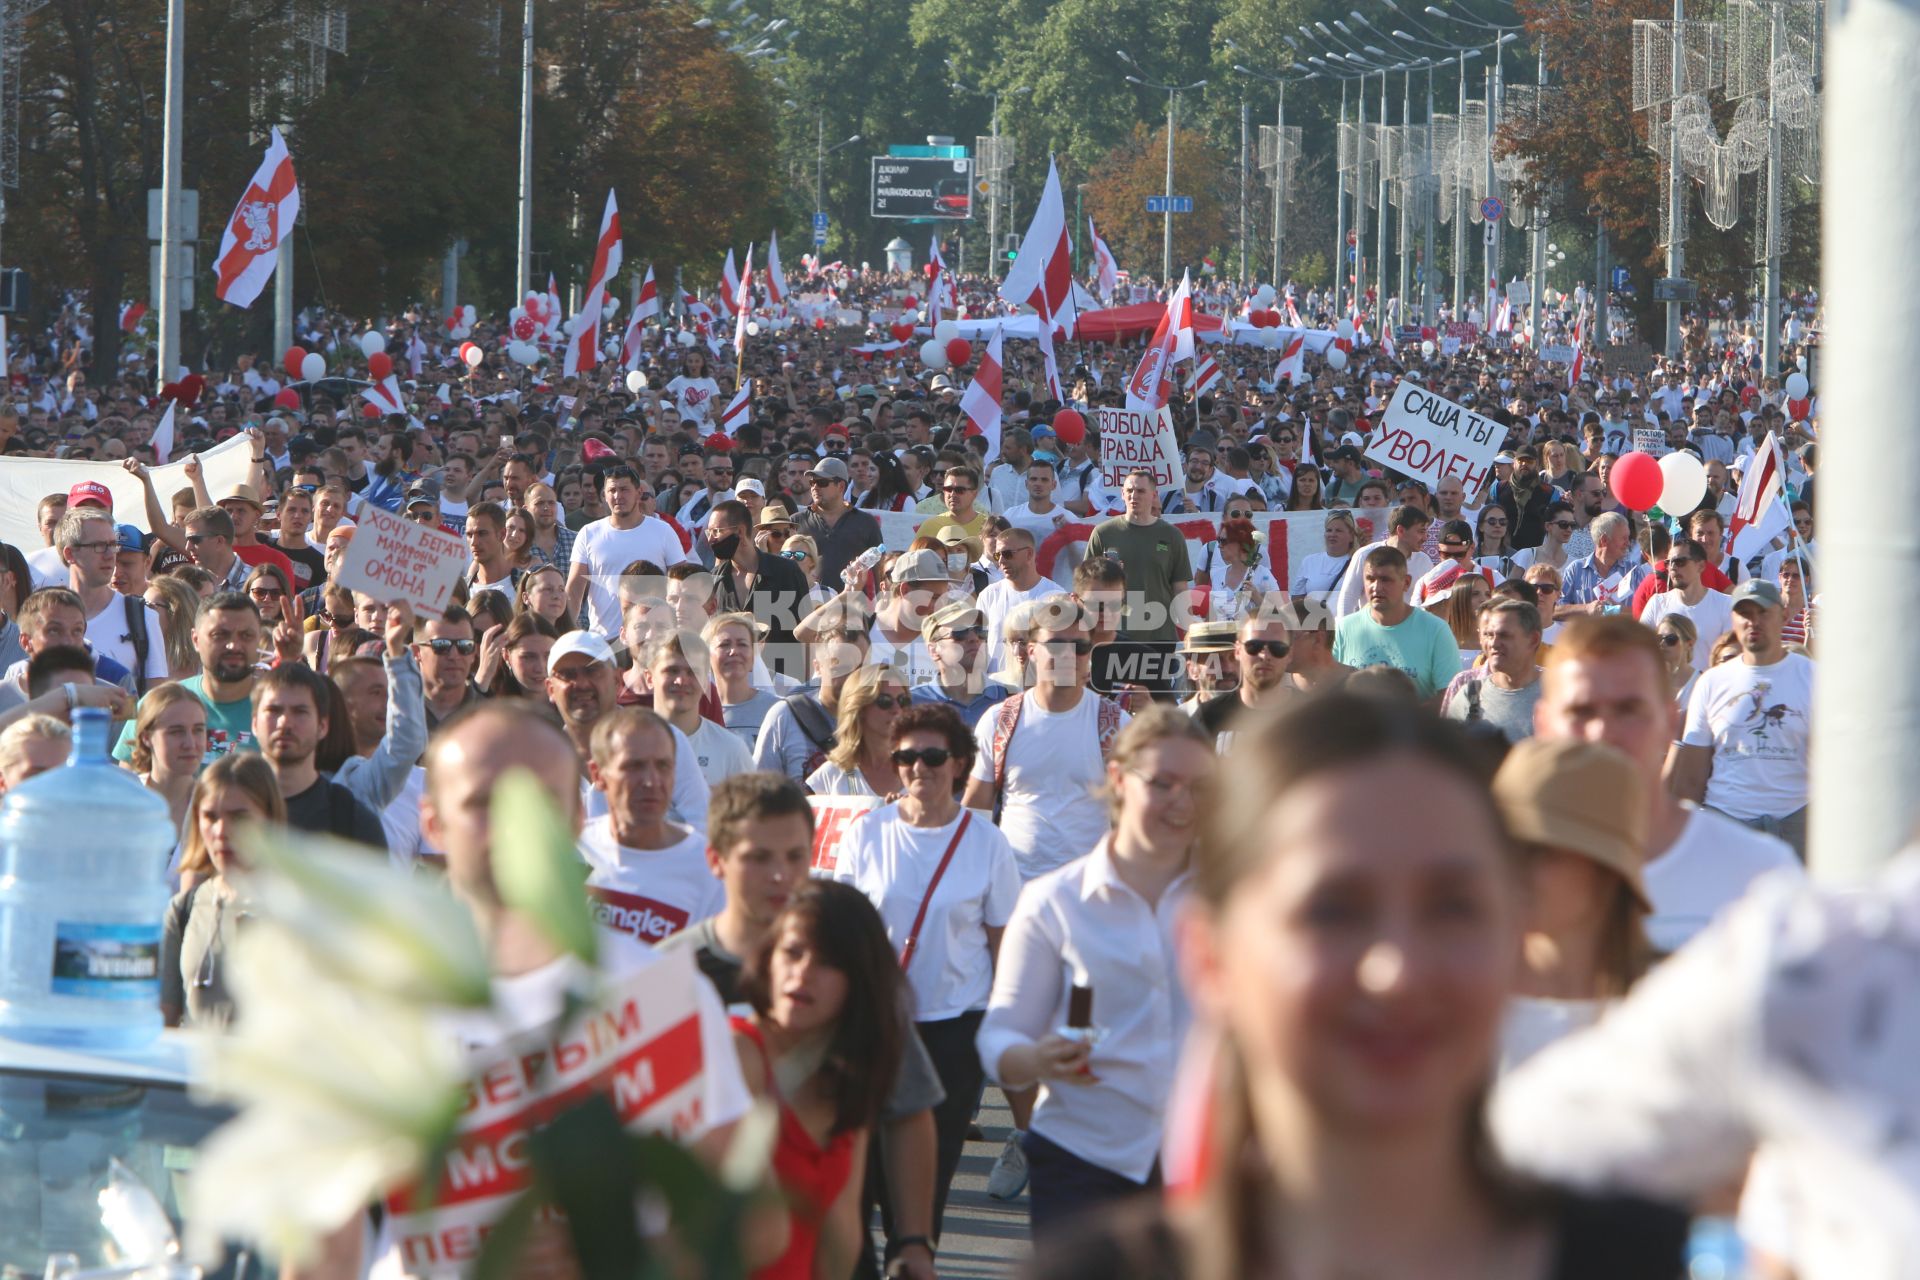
229, 725
1420, 645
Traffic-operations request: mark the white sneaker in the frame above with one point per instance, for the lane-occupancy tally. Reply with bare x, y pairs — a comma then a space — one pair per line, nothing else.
1009, 1176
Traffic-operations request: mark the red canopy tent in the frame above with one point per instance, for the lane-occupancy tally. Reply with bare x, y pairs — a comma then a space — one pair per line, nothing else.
1120, 324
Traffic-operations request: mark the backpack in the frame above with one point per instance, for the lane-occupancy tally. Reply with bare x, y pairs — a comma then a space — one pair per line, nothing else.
813, 722
1006, 718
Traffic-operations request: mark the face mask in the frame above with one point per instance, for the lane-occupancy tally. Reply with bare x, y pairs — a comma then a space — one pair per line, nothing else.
723, 548
956, 561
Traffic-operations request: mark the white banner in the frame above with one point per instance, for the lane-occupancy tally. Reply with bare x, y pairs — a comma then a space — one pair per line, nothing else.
1430, 437
24, 481
1130, 438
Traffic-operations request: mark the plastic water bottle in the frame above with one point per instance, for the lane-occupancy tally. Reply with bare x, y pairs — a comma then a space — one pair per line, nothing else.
1715, 1250
83, 895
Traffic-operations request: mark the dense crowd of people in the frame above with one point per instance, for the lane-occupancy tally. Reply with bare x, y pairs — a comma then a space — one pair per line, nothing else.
1495, 755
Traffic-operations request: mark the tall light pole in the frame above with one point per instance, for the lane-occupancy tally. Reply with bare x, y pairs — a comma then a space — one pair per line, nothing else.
995, 257
175, 126
523, 262
1173, 92
1280, 159
820, 153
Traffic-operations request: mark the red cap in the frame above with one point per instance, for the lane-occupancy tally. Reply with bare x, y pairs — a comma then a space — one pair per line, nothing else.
593, 450
720, 441
90, 491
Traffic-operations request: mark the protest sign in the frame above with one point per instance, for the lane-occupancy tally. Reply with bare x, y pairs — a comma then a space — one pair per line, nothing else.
1651, 441
393, 559
1629, 357
832, 815
1431, 437
1131, 438
639, 1043
1558, 352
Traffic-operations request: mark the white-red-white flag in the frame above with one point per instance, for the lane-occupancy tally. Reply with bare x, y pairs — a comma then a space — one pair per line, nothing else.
1760, 491
934, 256
583, 346
416, 351
730, 283
131, 315
385, 395
1151, 385
980, 403
646, 305
1041, 276
739, 410
1206, 375
1106, 271
162, 440
1386, 342
1575, 369
1050, 363
1293, 360
743, 304
250, 247
776, 278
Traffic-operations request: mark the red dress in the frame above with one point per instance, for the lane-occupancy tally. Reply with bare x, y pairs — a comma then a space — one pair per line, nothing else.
811, 1177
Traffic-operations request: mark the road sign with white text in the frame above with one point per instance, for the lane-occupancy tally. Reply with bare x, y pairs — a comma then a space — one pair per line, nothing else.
1169, 204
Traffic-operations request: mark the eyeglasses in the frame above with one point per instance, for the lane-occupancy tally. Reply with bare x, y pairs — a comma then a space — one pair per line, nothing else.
1680, 564
96, 547
793, 555
1669, 639
445, 646
1564, 526
956, 488
966, 633
1254, 648
267, 593
1008, 553
932, 757
889, 701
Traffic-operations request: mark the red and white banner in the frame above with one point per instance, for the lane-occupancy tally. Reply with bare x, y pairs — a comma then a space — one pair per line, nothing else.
1041, 276
1760, 492
980, 403
730, 284
646, 305
1206, 375
776, 278
385, 395
1293, 360
1579, 362
250, 247
832, 816
738, 411
640, 1044
742, 303
162, 441
1106, 271
1151, 385
583, 348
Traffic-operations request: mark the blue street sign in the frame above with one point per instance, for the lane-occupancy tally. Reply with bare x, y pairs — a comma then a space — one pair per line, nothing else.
1169, 204
820, 239
1620, 277
819, 222
1353, 253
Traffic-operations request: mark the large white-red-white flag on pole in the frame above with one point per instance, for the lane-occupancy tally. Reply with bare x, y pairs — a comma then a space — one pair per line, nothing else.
1575, 369
583, 346
742, 303
980, 403
776, 278
1106, 271
1151, 385
646, 305
1761, 487
730, 283
738, 410
1041, 276
250, 248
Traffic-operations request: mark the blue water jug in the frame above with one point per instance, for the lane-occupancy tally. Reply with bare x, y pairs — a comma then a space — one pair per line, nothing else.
83, 896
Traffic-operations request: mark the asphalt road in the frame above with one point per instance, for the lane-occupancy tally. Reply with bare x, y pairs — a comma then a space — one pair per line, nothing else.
984, 1238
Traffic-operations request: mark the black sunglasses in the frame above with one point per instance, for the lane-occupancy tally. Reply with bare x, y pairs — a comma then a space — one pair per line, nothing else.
932, 757
1254, 648
889, 701
965, 633
444, 645
1669, 639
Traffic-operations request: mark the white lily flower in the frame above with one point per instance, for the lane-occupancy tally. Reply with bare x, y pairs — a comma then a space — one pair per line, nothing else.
346, 1093
537, 866
365, 922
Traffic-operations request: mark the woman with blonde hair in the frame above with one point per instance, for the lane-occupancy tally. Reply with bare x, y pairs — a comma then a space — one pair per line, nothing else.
234, 791
861, 762
1320, 571
169, 746
178, 605
1678, 638
1349, 964
1086, 1001
1460, 610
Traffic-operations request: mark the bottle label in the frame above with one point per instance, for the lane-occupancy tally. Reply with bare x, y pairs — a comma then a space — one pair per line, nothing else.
106, 961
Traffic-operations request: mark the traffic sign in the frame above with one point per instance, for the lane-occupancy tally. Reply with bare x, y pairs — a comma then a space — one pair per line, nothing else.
819, 222
1620, 278
1493, 208
1169, 204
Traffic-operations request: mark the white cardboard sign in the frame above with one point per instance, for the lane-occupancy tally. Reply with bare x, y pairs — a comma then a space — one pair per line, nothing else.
393, 559
1429, 436
1132, 438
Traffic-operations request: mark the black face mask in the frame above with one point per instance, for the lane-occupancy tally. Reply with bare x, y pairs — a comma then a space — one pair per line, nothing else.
723, 548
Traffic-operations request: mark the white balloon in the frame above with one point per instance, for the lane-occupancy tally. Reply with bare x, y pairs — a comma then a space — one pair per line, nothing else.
933, 353
636, 382
1427, 349
515, 314
474, 356
609, 305
612, 349
1336, 358
1344, 330
1796, 387
946, 331
685, 338
1685, 483
372, 343
753, 328
1264, 296
468, 315
313, 367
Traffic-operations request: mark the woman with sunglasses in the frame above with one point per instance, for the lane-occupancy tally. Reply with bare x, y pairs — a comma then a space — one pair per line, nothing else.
1086, 999
861, 762
1679, 641
339, 634
945, 882
1493, 540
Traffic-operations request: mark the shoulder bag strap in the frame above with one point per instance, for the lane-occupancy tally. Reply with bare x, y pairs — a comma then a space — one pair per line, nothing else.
920, 917
136, 610
1006, 720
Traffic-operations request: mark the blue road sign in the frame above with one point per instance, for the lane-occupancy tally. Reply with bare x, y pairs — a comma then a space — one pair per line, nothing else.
1169, 204
820, 239
1620, 277
819, 222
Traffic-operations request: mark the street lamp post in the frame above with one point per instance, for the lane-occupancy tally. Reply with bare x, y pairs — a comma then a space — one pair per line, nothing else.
175, 127
523, 262
1279, 161
1173, 92
820, 153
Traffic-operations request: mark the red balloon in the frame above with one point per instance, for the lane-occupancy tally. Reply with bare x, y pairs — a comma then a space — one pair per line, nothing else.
901, 332
380, 365
1636, 480
1798, 409
368, 412
523, 328
291, 361
959, 352
1069, 426
288, 399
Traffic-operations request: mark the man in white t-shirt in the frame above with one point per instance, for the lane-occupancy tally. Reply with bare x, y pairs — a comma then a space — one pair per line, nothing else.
89, 543
1039, 515
1020, 582
649, 876
1605, 681
1042, 757
678, 688
1749, 722
605, 547
1710, 611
